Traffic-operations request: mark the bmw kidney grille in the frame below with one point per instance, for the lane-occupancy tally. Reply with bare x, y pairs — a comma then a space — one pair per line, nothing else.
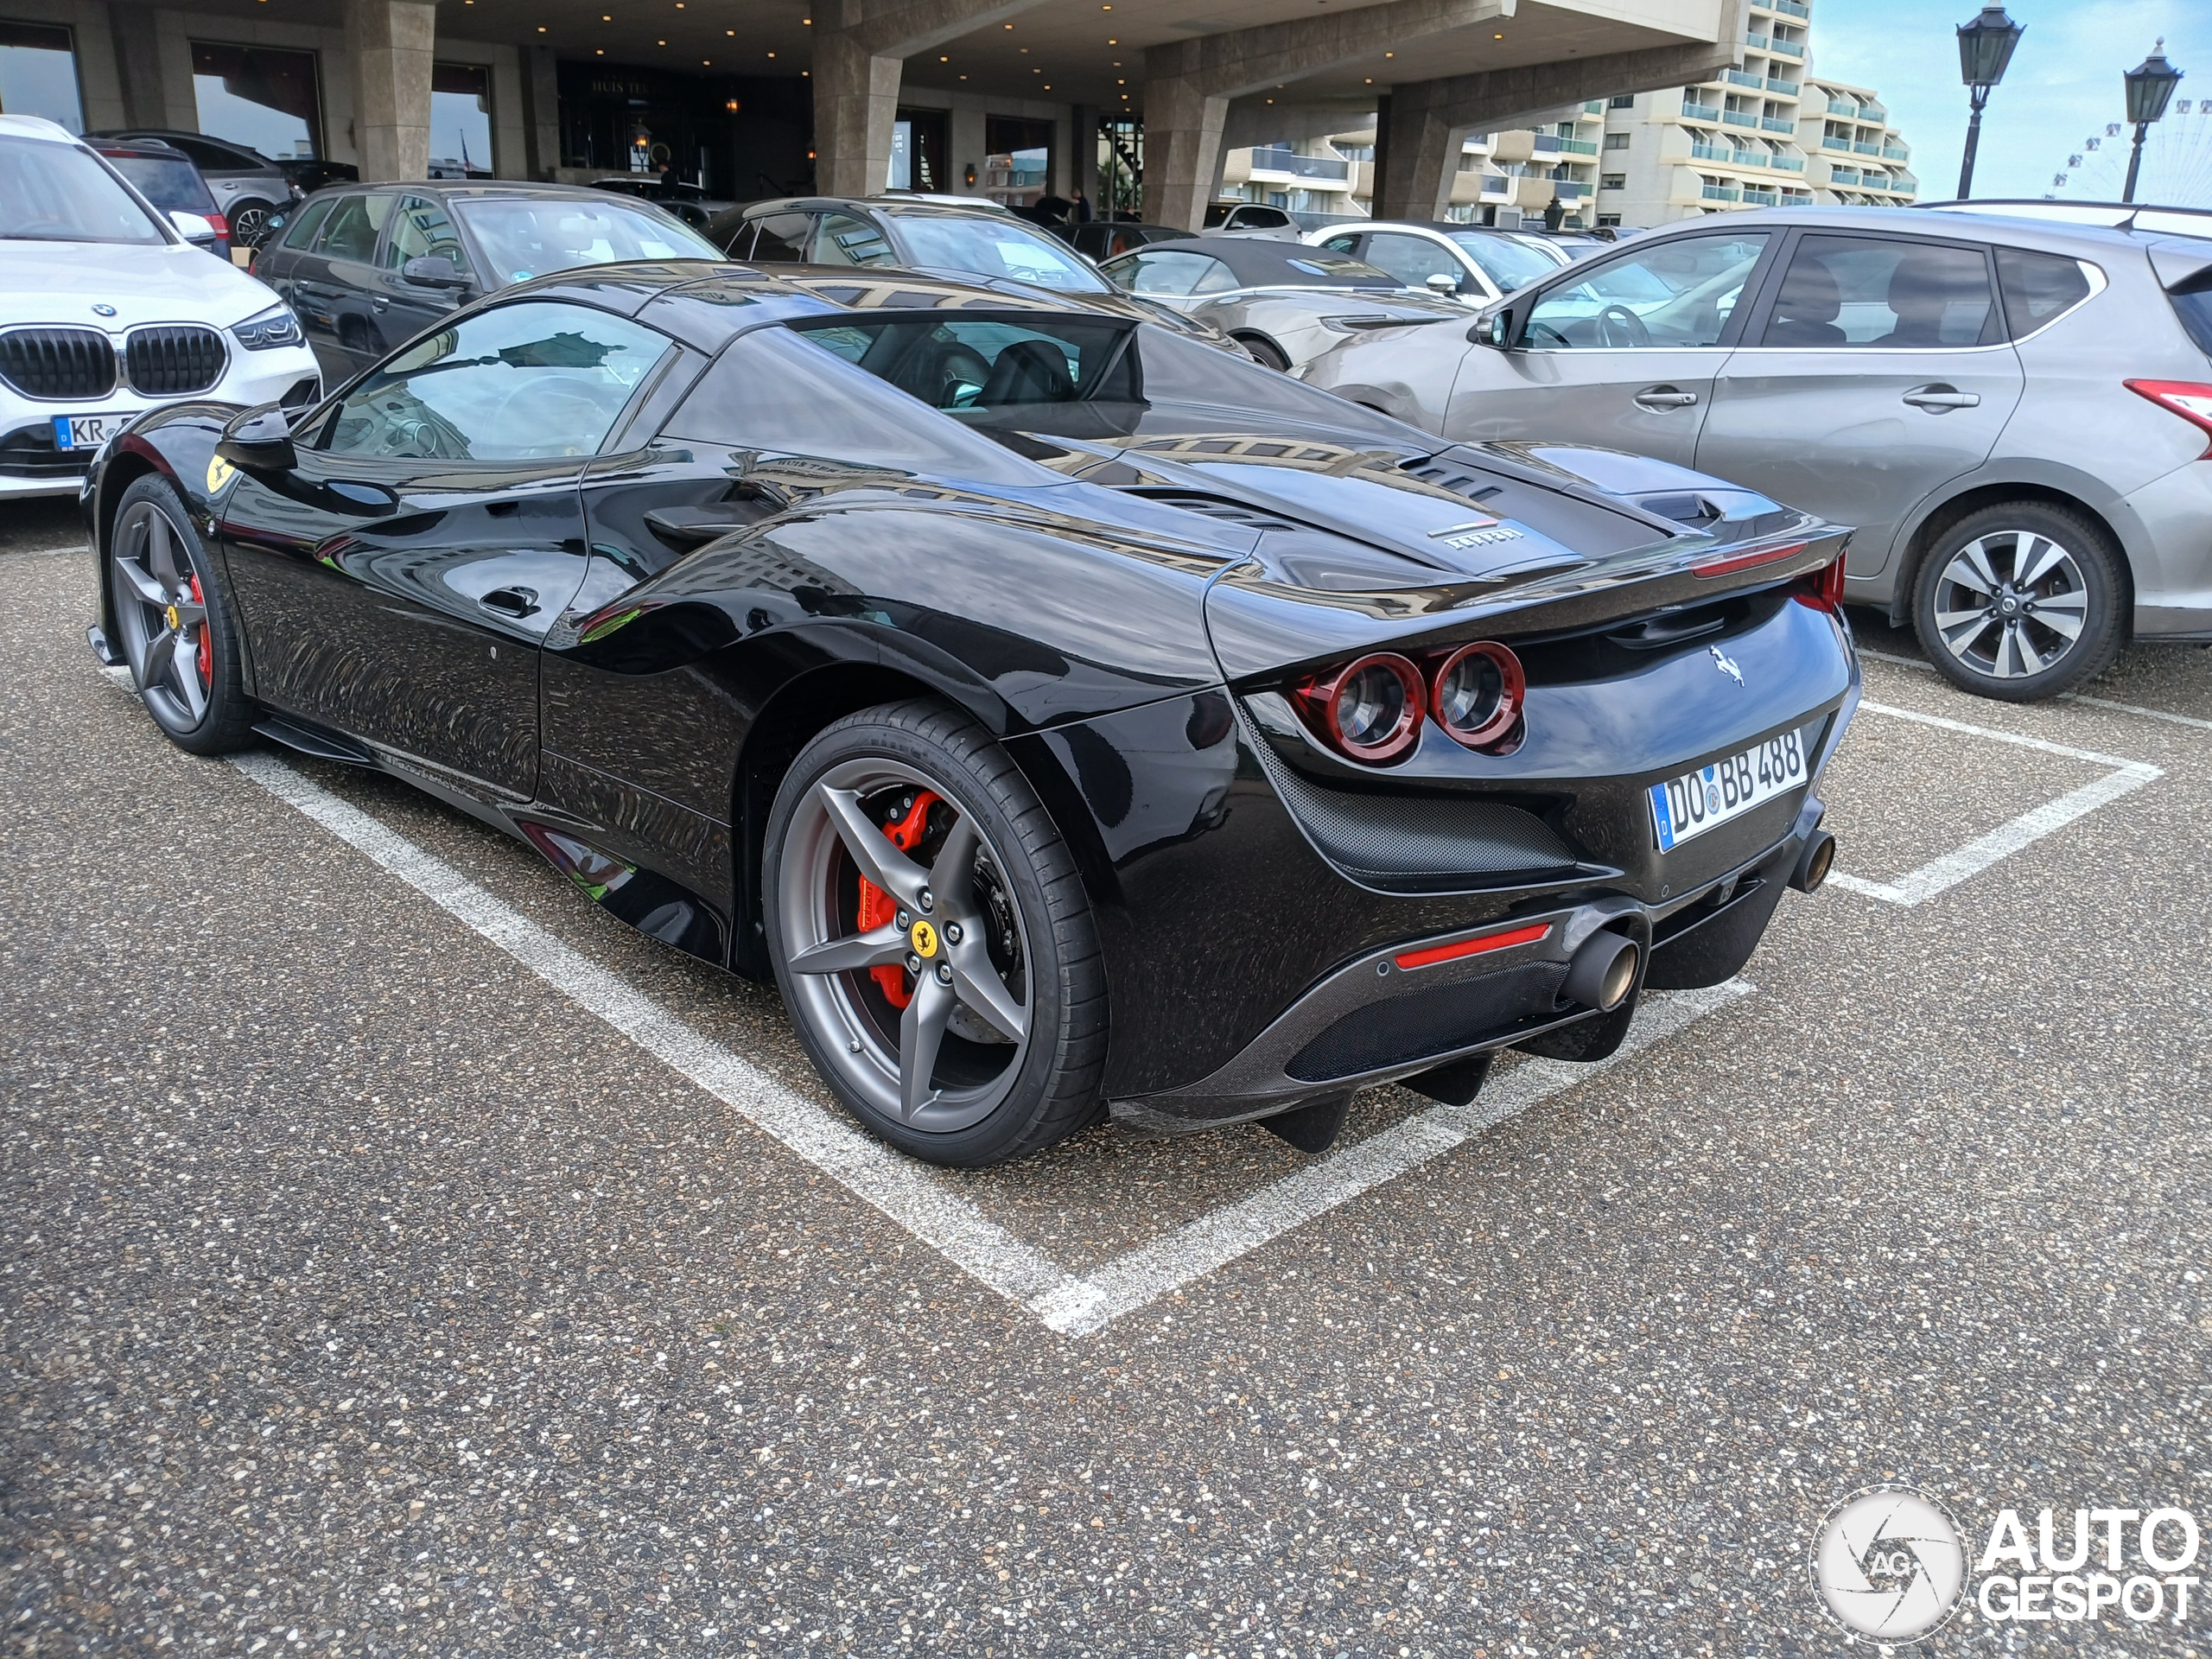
59, 363
172, 361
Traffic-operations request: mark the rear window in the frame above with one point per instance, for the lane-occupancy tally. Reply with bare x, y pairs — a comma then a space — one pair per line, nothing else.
2037, 286
170, 182
2193, 305
524, 236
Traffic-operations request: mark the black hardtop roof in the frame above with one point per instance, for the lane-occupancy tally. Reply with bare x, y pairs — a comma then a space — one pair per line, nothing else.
1259, 262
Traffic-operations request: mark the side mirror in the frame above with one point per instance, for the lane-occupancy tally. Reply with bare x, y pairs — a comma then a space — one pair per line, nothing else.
1443, 282
193, 228
259, 440
1496, 330
433, 270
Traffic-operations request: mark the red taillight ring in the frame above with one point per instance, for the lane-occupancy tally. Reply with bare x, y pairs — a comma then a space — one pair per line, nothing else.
1509, 702
1325, 697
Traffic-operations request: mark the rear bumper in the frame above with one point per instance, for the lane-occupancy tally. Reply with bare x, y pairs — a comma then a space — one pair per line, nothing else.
2172, 566
1372, 1021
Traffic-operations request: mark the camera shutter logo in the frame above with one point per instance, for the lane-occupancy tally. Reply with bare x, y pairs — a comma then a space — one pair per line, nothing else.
1889, 1562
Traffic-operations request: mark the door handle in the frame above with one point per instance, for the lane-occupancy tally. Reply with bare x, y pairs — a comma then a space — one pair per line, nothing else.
1656, 397
379, 304
1938, 398
511, 601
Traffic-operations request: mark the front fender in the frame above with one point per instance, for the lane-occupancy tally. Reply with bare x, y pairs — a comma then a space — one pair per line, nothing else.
176, 441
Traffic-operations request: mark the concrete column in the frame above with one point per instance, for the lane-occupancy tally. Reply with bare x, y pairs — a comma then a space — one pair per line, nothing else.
541, 112
138, 66
1083, 151
1183, 125
855, 106
1424, 151
391, 42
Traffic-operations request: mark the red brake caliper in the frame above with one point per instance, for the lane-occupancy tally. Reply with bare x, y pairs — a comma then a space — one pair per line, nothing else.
878, 906
206, 649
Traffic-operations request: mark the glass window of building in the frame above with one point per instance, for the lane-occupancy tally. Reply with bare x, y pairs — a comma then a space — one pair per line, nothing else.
461, 121
38, 73
257, 96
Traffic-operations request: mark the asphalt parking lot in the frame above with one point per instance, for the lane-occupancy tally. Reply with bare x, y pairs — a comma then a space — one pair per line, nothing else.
399, 1256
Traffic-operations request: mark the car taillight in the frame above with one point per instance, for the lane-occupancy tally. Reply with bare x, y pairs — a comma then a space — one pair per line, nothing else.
1823, 588
2186, 398
1476, 696
222, 225
1369, 710
1728, 563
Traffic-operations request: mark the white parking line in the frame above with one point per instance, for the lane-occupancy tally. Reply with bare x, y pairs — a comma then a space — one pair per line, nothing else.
2166, 715
910, 1193
1941, 874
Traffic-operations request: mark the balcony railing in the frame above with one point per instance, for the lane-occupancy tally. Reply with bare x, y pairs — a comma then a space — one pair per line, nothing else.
1739, 118
1861, 147
1547, 143
1299, 166
1568, 191
1891, 153
1720, 192
1595, 107
1830, 141
1785, 48
1870, 111
1699, 112
1764, 197
1758, 42
1497, 186
1579, 146
1786, 88
1743, 78
1777, 124
1792, 163
1787, 7
1842, 176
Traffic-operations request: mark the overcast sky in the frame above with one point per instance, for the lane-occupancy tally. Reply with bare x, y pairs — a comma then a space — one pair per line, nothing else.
2062, 87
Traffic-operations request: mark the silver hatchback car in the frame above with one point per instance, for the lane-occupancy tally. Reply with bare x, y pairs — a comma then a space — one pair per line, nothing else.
2014, 413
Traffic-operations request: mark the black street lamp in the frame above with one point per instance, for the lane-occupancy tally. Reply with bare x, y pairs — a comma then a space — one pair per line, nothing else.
2150, 84
1985, 47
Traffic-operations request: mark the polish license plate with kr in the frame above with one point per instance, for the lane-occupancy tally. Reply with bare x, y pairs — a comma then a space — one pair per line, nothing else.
1728, 788
88, 431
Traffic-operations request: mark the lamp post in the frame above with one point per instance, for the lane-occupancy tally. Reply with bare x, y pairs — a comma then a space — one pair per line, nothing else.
2150, 84
1985, 47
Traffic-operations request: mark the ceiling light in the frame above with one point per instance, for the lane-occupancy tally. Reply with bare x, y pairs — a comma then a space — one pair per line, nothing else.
771, 54
1048, 85
1371, 80
1110, 41
1390, 54
944, 59
1010, 25
600, 50
660, 42
541, 29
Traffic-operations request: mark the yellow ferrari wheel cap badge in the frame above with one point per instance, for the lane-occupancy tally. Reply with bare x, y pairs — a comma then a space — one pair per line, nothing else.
175, 621
924, 939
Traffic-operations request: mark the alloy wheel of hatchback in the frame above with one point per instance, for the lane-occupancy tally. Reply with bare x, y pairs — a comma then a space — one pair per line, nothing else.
2018, 602
250, 225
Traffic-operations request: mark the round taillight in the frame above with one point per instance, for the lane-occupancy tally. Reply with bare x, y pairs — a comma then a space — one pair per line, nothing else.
1370, 709
1478, 694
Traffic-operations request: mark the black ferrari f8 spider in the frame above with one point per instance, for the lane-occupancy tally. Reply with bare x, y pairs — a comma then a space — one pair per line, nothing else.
1070, 718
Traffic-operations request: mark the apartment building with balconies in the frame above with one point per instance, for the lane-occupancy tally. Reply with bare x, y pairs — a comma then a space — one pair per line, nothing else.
1770, 134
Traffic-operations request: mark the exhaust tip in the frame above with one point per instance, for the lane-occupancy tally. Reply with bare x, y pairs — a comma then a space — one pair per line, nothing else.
1602, 971
1815, 862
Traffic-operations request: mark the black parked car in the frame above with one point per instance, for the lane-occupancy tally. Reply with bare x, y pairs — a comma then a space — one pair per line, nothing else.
1067, 717
685, 201
250, 188
367, 270
1101, 239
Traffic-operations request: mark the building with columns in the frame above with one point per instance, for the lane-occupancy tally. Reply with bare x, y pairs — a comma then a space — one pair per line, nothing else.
1008, 98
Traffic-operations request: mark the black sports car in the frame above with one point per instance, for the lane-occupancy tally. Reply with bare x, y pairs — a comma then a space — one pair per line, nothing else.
1069, 716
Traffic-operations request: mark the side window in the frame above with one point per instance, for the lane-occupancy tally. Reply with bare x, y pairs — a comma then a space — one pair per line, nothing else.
1175, 274
1410, 260
421, 231
1344, 245
351, 230
2037, 286
1680, 293
1883, 293
305, 226
1260, 218
778, 240
212, 158
845, 240
533, 381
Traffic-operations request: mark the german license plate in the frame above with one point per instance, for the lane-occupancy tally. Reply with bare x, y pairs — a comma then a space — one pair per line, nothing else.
87, 431
1728, 788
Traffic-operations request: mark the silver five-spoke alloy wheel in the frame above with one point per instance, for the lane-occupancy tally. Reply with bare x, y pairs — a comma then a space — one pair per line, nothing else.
2010, 604
161, 612
953, 944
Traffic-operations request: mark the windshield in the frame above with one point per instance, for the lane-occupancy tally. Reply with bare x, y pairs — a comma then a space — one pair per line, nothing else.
997, 248
1510, 264
57, 193
168, 182
524, 238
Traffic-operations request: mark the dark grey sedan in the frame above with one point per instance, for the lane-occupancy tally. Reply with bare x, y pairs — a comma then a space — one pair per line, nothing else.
367, 268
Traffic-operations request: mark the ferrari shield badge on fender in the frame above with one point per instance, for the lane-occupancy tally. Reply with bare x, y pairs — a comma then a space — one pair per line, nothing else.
1725, 664
218, 473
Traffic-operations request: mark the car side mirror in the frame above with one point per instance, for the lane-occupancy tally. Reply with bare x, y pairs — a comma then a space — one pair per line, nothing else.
193, 228
1443, 282
259, 440
1496, 330
433, 270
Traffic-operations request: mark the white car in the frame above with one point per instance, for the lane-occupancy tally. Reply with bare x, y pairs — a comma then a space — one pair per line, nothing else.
107, 310
1472, 263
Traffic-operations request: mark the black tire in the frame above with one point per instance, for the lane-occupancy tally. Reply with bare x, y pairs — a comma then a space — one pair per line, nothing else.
248, 222
1265, 352
183, 651
1989, 634
1023, 890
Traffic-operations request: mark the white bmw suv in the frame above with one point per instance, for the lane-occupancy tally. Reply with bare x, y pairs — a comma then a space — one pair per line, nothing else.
106, 311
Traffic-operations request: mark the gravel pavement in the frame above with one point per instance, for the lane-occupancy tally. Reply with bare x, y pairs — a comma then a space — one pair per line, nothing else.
362, 1294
